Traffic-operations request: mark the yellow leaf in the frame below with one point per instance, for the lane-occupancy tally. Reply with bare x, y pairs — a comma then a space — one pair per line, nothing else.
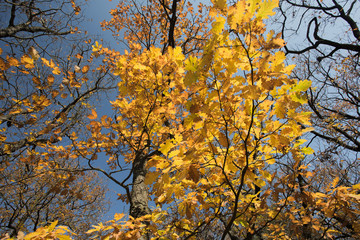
307, 150
12, 61
266, 8
280, 110
165, 147
251, 92
300, 142
335, 182
267, 175
96, 47
47, 63
56, 71
174, 153
52, 225
92, 230
177, 54
161, 198
299, 97
118, 216
63, 237
218, 25
301, 86
2, 138
278, 42
27, 61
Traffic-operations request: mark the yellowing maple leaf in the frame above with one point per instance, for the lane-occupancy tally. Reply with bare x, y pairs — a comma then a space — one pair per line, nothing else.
47, 63
96, 47
266, 8
301, 86
218, 25
165, 147
56, 71
85, 69
27, 61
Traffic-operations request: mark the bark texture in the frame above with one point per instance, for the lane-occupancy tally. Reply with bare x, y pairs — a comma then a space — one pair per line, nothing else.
139, 192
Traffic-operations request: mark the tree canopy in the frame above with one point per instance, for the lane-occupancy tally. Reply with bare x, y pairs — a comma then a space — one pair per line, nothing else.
42, 99
211, 134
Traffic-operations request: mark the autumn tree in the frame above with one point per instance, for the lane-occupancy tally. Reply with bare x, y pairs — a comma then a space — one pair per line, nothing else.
44, 97
31, 198
207, 137
202, 130
40, 108
331, 61
323, 39
165, 24
213, 171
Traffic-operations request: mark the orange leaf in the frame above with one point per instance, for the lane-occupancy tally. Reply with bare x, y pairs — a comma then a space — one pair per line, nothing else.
78, 56
56, 71
13, 61
223, 140
194, 173
36, 81
54, 93
85, 69
93, 115
3, 65
51, 80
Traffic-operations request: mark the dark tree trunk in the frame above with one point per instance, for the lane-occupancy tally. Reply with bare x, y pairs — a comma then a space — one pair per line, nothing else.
139, 192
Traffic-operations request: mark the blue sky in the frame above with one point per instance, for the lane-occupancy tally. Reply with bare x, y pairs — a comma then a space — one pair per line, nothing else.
96, 11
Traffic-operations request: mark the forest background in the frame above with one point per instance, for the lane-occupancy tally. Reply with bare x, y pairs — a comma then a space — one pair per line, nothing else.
196, 116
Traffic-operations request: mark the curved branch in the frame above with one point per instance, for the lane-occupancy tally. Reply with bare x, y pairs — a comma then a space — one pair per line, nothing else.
11, 31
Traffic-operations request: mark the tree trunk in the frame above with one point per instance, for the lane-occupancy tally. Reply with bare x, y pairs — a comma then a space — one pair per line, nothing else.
139, 192
306, 228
